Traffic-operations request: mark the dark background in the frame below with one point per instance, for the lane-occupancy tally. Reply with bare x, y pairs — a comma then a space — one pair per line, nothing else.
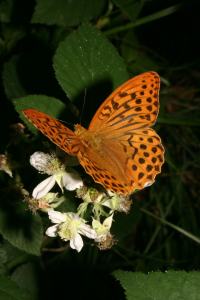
172, 45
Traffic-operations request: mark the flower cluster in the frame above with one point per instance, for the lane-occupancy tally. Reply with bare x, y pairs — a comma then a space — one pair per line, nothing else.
70, 226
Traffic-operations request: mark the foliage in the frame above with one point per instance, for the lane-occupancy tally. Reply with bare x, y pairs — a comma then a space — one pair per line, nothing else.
98, 45
157, 285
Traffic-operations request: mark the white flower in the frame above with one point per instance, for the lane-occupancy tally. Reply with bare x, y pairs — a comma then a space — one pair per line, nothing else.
70, 181
104, 238
52, 165
69, 227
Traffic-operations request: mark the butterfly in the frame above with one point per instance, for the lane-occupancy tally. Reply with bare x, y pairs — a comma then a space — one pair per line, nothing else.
119, 149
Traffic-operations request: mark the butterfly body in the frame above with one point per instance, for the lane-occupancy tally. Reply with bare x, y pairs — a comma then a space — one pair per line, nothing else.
88, 138
119, 149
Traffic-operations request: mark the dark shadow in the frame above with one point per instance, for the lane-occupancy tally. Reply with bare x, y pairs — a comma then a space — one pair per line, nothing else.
36, 72
16, 220
83, 279
36, 75
95, 96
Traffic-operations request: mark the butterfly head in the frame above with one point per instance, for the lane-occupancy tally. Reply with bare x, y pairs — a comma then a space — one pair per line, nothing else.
78, 129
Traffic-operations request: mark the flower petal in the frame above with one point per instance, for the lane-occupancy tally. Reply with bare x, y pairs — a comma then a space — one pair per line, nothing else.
87, 231
43, 187
8, 171
72, 181
59, 180
108, 221
77, 243
75, 217
96, 224
56, 216
38, 160
52, 230
50, 197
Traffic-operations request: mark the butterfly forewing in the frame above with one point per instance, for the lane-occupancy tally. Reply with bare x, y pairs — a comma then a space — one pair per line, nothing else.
54, 130
134, 105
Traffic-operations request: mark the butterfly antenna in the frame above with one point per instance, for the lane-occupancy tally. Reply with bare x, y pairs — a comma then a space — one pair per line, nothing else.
83, 105
64, 122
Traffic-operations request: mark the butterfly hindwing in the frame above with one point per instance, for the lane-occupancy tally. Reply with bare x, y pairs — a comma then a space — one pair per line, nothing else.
92, 163
125, 164
142, 160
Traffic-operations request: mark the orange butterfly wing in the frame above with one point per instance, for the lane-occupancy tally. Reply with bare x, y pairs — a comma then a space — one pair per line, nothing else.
134, 104
122, 152
54, 130
132, 152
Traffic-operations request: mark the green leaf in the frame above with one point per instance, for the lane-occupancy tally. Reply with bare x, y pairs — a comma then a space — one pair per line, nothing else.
64, 12
173, 285
130, 47
6, 8
3, 256
87, 60
12, 35
130, 8
12, 84
9, 290
32, 279
49, 105
143, 64
12, 252
21, 228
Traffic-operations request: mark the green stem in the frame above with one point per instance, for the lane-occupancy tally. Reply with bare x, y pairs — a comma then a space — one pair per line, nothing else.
159, 227
19, 260
163, 13
178, 121
188, 234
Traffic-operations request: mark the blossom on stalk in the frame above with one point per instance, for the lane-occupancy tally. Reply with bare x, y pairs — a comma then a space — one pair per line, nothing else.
118, 202
92, 195
46, 203
69, 227
6, 164
60, 172
50, 201
104, 238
